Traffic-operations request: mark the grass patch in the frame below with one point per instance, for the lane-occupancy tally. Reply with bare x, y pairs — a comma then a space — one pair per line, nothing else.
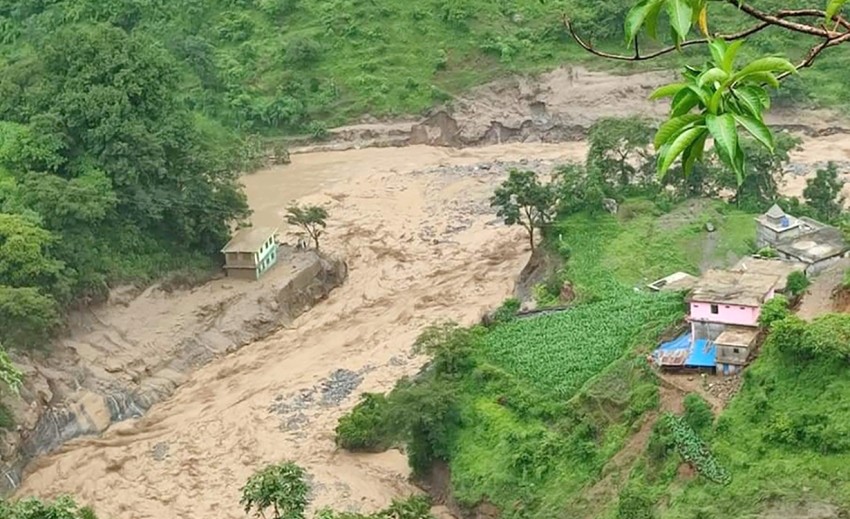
783, 438
611, 255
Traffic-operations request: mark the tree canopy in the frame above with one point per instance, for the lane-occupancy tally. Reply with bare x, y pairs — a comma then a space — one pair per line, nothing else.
104, 174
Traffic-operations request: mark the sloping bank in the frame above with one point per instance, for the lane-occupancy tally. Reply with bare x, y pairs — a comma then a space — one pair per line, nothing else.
133, 352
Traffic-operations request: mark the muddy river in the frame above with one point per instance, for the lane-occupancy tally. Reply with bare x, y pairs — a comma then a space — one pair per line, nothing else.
422, 245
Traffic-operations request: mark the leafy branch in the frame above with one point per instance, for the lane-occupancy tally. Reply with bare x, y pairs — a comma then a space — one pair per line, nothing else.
719, 99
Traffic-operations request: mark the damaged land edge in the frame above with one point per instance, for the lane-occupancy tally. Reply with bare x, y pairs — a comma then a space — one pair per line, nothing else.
444, 130
62, 423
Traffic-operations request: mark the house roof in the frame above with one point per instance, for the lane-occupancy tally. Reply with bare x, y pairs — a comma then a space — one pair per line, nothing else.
775, 212
818, 245
250, 239
776, 267
740, 336
673, 282
737, 288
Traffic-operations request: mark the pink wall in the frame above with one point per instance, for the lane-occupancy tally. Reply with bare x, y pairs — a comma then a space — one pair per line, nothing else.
726, 314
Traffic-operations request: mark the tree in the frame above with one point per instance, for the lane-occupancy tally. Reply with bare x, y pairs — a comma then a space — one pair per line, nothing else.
62, 508
823, 194
774, 310
279, 487
28, 318
719, 99
797, 283
619, 147
523, 200
313, 219
10, 376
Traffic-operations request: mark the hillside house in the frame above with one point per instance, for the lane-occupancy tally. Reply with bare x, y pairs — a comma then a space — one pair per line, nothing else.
724, 309
250, 253
803, 240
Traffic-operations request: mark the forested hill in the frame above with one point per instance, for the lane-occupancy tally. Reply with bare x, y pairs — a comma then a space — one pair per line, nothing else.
124, 123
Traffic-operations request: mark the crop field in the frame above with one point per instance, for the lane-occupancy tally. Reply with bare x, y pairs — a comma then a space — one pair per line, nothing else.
558, 353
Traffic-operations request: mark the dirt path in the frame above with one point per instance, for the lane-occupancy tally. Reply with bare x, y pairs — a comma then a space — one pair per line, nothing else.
422, 245
818, 298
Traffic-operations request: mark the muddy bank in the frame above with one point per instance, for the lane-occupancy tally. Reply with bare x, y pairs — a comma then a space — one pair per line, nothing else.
558, 106
123, 357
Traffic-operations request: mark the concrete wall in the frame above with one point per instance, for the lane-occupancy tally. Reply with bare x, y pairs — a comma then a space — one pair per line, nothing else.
240, 259
726, 314
242, 273
728, 369
732, 354
707, 331
767, 237
816, 268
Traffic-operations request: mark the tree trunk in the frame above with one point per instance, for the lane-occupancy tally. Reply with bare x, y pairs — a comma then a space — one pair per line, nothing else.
531, 237
316, 241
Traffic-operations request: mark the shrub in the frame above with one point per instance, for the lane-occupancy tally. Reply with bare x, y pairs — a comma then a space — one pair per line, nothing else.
507, 312
302, 51
767, 252
774, 310
279, 487
28, 319
698, 413
661, 442
634, 503
797, 283
366, 427
7, 419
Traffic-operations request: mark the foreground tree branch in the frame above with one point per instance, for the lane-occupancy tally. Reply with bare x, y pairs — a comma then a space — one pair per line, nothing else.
778, 19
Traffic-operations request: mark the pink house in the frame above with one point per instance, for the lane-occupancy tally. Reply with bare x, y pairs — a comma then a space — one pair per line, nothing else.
730, 297
724, 311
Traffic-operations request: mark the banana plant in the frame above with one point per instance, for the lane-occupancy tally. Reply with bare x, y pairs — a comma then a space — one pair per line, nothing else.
717, 101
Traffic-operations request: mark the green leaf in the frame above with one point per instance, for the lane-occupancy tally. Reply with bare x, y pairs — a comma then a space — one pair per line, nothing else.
703, 94
673, 127
769, 64
693, 154
738, 164
763, 77
749, 98
833, 7
667, 91
677, 147
757, 129
731, 53
635, 19
683, 102
651, 22
718, 50
724, 131
681, 16
711, 75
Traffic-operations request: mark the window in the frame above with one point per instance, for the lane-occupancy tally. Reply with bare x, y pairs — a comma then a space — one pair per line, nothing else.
736, 350
715, 310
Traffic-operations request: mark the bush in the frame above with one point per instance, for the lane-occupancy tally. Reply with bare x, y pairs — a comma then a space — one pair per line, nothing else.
634, 503
661, 442
367, 426
797, 283
774, 310
698, 413
279, 487
7, 419
767, 252
302, 51
507, 312
28, 319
